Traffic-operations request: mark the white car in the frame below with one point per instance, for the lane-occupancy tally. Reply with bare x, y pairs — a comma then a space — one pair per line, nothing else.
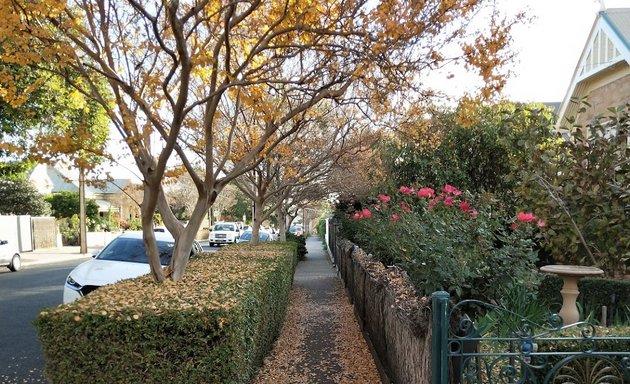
224, 233
123, 258
9, 256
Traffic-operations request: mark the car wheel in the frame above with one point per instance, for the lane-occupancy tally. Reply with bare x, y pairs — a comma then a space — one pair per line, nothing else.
16, 263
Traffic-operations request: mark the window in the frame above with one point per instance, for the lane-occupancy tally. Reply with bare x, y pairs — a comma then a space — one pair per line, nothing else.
132, 250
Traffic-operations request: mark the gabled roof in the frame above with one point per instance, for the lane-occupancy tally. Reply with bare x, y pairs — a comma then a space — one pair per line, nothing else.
607, 46
53, 179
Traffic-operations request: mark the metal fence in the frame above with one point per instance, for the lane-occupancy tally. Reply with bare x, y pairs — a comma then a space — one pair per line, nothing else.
479, 342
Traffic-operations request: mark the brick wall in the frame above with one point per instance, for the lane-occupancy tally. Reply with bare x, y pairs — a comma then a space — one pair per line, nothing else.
601, 98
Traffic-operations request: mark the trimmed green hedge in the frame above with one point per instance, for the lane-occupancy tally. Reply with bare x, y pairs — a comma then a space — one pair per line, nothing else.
214, 326
594, 293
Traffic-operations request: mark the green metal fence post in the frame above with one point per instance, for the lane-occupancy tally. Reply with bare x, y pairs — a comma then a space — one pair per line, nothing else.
439, 342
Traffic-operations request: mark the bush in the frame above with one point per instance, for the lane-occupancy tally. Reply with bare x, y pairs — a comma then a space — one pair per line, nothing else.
134, 224
443, 243
214, 326
20, 197
66, 204
69, 229
580, 184
300, 241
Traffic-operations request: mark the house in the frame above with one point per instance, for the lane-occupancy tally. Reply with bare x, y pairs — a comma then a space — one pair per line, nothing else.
602, 74
110, 195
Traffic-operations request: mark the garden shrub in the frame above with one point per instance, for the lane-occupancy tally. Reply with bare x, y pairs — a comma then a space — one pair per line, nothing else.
452, 241
579, 181
69, 229
300, 241
66, 204
214, 326
321, 230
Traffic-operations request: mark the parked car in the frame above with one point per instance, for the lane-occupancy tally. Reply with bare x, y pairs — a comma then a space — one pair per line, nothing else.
224, 233
296, 230
123, 258
9, 256
262, 236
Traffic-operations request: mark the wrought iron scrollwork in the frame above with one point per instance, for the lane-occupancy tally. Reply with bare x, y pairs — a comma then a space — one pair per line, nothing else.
586, 370
529, 352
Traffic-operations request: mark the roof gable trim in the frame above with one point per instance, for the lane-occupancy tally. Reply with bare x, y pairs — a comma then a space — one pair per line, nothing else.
603, 51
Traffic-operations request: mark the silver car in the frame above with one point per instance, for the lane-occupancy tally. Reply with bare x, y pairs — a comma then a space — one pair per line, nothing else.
9, 256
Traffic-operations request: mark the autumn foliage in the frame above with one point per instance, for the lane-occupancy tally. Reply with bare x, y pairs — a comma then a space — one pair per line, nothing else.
184, 79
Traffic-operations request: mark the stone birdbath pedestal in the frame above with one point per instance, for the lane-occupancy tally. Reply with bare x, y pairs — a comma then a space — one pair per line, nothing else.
570, 275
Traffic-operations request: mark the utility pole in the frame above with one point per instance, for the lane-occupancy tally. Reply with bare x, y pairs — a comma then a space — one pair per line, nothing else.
82, 215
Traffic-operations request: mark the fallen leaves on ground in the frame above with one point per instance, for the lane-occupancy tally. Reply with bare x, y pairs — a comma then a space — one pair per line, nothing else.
320, 343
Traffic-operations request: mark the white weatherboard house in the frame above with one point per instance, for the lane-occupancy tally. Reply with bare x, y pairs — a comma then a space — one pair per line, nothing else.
602, 74
109, 195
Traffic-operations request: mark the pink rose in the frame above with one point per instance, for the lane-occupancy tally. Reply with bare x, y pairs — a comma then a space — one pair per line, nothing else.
452, 190
426, 192
406, 190
525, 217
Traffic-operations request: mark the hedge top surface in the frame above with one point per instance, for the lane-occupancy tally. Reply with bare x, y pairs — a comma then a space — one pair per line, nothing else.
213, 281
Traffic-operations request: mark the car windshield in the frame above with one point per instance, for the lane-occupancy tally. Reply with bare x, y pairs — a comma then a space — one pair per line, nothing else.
132, 250
224, 227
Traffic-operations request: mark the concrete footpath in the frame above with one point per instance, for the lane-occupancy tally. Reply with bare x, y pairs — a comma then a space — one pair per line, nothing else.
321, 341
55, 255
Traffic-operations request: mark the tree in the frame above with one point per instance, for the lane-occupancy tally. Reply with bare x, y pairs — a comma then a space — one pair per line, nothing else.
45, 119
228, 200
307, 157
185, 73
19, 197
66, 204
300, 197
232, 205
16, 169
181, 193
357, 177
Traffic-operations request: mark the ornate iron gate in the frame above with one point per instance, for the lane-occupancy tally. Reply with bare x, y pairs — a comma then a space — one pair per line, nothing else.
504, 347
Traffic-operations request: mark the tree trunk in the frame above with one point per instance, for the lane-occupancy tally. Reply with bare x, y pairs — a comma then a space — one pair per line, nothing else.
149, 203
181, 254
256, 221
282, 217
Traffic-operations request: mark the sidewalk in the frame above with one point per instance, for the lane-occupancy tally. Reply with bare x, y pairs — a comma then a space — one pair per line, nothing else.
55, 255
321, 341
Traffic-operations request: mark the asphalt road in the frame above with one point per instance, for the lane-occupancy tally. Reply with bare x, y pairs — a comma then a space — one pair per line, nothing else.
23, 295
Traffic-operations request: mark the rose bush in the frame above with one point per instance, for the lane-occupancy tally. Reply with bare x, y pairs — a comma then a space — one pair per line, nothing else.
448, 240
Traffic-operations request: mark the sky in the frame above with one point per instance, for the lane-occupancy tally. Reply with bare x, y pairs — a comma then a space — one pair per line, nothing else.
550, 47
